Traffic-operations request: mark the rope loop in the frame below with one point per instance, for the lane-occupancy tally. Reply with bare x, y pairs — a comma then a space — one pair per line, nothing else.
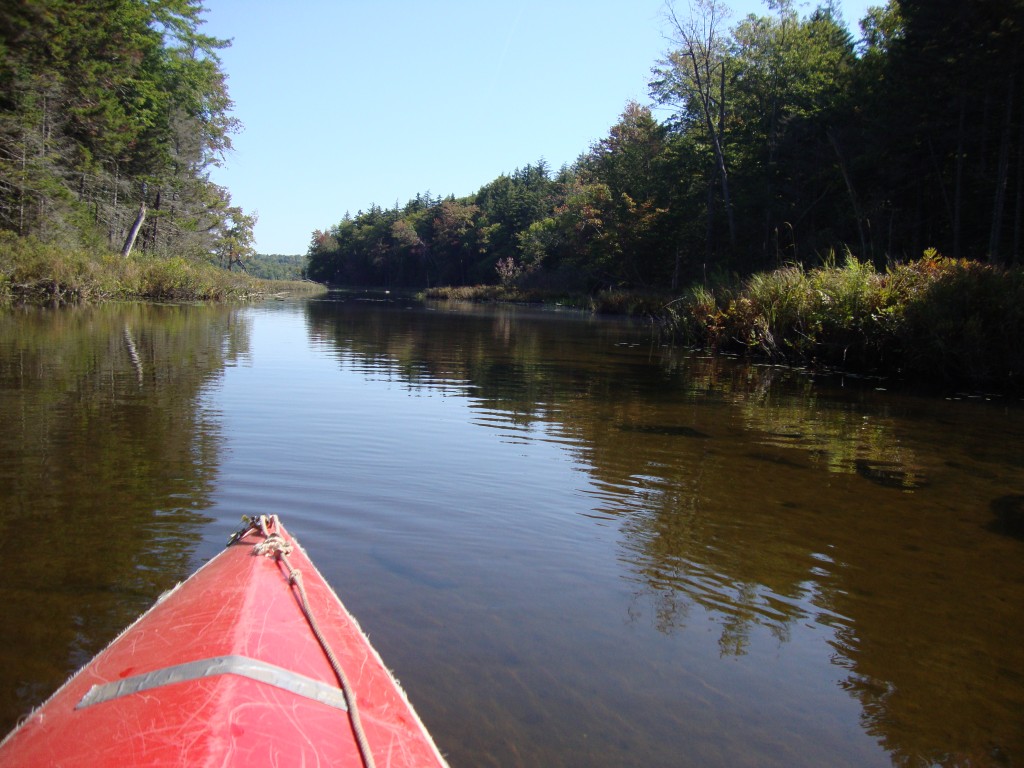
275, 544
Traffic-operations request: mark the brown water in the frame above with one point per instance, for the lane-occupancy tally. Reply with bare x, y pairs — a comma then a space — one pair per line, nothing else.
574, 546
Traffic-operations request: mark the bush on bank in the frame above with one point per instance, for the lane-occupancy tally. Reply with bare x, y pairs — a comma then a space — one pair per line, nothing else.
949, 322
32, 271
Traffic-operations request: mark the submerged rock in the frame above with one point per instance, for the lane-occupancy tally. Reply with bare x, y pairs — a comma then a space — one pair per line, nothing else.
890, 474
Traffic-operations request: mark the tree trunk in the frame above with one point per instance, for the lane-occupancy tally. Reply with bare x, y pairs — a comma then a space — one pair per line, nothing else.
714, 133
730, 216
699, 45
709, 224
151, 240
129, 243
1018, 208
958, 185
853, 195
1002, 174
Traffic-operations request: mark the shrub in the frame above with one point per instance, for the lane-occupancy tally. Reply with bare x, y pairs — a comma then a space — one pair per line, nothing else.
966, 325
37, 272
953, 322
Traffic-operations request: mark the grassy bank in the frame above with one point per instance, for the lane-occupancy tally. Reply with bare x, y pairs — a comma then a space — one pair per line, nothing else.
39, 273
940, 321
612, 302
485, 293
935, 321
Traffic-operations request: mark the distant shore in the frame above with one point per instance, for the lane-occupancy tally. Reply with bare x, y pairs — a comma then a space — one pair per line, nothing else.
938, 322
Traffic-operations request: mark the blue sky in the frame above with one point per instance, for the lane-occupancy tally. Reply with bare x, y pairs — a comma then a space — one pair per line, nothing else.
351, 102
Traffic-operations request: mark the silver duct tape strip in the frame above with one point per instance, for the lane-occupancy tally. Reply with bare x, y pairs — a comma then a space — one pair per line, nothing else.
243, 666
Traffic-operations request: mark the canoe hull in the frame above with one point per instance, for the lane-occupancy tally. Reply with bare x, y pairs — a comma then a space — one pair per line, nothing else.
249, 683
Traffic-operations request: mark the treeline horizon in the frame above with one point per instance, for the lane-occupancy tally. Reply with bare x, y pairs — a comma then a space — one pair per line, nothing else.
788, 141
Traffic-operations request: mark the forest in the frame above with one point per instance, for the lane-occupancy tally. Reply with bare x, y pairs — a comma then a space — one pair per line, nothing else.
792, 188
112, 113
780, 139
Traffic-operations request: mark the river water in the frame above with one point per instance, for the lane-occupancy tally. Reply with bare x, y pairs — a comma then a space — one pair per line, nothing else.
574, 546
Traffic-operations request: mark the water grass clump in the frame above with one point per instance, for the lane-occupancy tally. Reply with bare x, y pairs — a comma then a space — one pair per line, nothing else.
953, 322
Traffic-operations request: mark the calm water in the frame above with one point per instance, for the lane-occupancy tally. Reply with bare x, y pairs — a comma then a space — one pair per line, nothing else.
575, 547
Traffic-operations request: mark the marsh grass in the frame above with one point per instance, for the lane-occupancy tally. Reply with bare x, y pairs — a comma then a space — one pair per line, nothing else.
486, 293
32, 271
472, 293
952, 322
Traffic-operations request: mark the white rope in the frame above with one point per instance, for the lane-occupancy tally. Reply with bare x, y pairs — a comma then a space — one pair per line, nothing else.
276, 546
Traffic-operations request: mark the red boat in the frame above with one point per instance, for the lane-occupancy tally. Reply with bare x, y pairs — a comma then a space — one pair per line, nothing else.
252, 661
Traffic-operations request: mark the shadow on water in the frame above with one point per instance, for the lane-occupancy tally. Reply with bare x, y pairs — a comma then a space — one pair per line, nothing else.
768, 502
1008, 512
107, 461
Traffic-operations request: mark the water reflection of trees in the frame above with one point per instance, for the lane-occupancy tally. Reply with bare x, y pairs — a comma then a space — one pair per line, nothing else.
746, 494
107, 460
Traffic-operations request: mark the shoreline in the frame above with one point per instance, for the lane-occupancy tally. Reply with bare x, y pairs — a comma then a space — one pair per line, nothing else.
40, 274
948, 324
944, 324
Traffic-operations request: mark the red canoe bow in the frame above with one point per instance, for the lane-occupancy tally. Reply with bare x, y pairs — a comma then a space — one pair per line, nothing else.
227, 669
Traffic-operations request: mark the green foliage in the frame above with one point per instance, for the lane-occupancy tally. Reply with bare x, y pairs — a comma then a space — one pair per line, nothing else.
235, 241
785, 139
275, 266
35, 271
106, 104
966, 324
938, 320
436, 240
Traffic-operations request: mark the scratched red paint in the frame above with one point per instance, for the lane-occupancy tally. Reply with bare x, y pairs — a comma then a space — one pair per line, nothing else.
237, 604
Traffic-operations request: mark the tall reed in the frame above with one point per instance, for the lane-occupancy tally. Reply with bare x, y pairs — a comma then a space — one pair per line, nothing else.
949, 321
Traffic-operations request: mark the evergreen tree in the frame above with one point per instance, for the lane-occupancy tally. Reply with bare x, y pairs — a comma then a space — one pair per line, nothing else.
111, 111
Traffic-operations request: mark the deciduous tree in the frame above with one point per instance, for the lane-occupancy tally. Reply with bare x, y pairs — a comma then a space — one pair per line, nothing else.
693, 78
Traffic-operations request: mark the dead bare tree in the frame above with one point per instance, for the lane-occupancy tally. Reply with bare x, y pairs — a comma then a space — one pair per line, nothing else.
693, 79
